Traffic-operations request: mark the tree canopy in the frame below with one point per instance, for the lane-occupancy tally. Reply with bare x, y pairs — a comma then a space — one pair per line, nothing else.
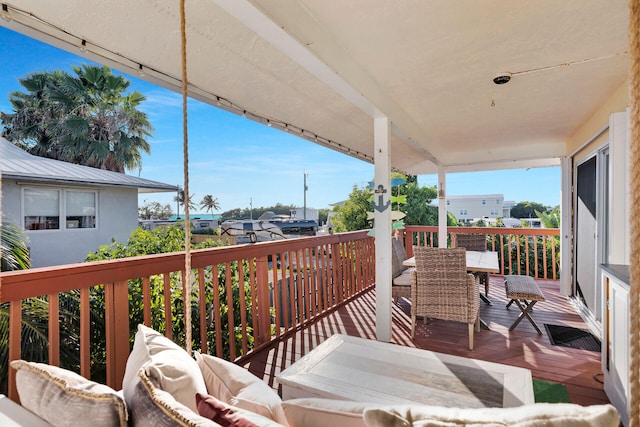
154, 210
352, 214
527, 209
86, 118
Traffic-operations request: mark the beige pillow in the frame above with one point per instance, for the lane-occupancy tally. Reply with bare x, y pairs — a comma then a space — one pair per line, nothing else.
541, 414
172, 369
157, 408
154, 407
315, 412
62, 397
235, 386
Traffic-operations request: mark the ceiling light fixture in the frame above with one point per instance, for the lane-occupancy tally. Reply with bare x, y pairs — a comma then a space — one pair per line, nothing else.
140, 70
83, 46
502, 78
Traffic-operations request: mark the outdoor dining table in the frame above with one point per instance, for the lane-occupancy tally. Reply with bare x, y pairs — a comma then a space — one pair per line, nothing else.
477, 262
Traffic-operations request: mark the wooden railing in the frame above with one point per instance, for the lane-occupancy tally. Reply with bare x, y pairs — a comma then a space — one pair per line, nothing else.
242, 298
529, 251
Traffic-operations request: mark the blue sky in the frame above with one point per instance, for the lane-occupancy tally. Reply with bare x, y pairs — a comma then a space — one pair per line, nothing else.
239, 161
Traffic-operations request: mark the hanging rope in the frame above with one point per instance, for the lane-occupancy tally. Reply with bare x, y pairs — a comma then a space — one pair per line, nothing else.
634, 338
186, 286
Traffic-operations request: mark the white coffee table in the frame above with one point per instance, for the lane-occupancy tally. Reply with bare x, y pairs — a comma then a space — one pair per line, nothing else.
350, 368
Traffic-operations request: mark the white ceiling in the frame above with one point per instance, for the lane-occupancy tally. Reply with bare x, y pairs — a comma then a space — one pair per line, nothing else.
328, 67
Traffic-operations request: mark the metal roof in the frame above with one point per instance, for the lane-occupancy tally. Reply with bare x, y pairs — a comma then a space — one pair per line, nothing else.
16, 163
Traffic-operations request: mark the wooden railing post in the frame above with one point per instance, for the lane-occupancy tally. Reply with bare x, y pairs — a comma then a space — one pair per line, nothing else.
264, 314
54, 330
116, 306
15, 340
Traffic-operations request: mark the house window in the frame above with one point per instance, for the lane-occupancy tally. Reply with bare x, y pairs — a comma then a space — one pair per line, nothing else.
41, 209
497, 201
463, 211
484, 202
448, 202
80, 209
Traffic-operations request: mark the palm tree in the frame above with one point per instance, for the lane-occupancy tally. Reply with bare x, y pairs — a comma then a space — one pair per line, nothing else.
14, 255
179, 198
86, 118
551, 219
14, 252
209, 203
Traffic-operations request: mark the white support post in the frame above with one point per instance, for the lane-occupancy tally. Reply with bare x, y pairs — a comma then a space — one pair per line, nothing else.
442, 207
565, 226
382, 227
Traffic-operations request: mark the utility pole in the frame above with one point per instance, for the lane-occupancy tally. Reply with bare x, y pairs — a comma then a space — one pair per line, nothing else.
305, 196
251, 208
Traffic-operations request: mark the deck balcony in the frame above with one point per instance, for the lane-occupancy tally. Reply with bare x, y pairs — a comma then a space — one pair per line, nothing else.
267, 304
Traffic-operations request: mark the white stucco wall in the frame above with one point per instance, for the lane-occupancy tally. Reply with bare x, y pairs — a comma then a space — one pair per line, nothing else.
117, 218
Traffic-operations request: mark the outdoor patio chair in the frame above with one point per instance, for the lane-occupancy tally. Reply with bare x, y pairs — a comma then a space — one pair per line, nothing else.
475, 242
401, 285
442, 288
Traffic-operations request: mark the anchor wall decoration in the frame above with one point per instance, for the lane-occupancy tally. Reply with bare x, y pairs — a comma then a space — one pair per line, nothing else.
381, 206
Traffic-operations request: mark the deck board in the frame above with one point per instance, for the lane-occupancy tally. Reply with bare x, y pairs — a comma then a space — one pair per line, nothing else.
522, 347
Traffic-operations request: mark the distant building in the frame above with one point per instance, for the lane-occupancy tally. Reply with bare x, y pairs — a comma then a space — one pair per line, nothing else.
68, 210
472, 208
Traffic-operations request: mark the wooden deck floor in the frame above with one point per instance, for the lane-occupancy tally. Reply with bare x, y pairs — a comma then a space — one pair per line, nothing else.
522, 347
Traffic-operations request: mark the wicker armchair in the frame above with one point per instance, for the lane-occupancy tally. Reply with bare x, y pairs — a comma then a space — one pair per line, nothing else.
443, 290
475, 242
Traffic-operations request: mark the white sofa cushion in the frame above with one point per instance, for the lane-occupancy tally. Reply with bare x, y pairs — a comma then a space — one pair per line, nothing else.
12, 414
235, 386
317, 412
541, 414
62, 397
168, 365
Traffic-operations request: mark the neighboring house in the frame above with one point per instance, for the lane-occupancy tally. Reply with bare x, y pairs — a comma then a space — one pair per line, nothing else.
471, 208
68, 210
